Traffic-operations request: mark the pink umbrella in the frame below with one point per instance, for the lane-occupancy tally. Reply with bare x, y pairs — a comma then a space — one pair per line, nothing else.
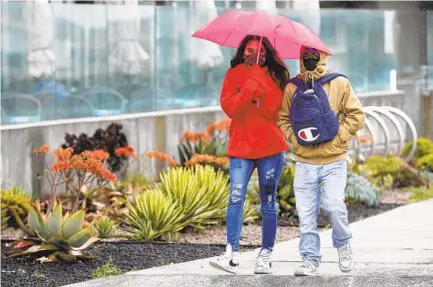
287, 36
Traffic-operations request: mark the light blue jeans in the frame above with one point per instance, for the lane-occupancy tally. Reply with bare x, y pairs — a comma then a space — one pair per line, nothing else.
269, 170
315, 184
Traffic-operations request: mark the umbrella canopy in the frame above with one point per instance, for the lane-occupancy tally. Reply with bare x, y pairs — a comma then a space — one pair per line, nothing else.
128, 56
40, 33
286, 36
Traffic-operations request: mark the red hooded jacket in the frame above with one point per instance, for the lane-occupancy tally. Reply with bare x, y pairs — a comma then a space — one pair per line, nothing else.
254, 133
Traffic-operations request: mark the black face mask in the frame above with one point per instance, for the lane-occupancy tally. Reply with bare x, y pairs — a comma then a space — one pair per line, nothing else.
252, 59
310, 64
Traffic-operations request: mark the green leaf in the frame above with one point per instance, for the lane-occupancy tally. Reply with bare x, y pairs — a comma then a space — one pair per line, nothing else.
60, 242
211, 147
78, 239
54, 222
73, 224
37, 222
66, 256
181, 155
87, 244
32, 250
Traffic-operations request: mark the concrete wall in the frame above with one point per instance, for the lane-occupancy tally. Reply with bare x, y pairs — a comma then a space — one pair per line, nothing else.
145, 132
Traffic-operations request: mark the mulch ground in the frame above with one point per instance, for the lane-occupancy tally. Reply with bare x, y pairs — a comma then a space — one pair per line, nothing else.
126, 256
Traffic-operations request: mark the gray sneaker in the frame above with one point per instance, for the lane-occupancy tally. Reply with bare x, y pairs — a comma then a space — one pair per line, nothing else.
307, 268
263, 262
228, 262
345, 258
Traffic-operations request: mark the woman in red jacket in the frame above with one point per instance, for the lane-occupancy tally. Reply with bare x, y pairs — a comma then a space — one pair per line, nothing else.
251, 96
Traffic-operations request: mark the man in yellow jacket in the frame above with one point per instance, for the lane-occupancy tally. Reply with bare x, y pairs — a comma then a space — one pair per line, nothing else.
321, 169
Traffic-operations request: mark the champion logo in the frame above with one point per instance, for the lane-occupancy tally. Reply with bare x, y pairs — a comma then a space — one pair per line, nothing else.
309, 134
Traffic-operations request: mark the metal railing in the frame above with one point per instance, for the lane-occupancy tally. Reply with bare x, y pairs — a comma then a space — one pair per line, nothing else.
387, 129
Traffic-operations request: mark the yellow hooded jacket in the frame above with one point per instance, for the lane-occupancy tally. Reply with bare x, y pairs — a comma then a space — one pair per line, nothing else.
342, 98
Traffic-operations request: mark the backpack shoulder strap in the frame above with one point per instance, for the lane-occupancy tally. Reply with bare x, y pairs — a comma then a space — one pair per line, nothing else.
320, 92
329, 77
297, 82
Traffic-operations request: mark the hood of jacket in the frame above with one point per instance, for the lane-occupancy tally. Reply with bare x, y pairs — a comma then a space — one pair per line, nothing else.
321, 68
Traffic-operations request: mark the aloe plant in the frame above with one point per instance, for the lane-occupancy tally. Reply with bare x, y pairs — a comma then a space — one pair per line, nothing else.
55, 236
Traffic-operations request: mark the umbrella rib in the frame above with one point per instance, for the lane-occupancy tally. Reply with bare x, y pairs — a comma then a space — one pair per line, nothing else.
226, 39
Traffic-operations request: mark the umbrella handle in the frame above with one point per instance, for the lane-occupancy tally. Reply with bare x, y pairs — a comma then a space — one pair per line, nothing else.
258, 54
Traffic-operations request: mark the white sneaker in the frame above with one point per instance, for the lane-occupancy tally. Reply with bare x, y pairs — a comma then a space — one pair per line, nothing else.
263, 262
307, 268
345, 258
228, 262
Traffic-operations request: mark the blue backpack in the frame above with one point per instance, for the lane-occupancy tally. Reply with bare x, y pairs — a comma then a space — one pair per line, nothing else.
311, 117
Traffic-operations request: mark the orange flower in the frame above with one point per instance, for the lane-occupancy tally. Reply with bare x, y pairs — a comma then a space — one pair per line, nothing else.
195, 136
222, 125
60, 166
99, 154
63, 154
42, 149
86, 162
162, 157
125, 151
207, 159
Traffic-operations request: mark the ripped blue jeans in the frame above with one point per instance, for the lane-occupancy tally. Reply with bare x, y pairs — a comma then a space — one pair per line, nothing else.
269, 170
320, 186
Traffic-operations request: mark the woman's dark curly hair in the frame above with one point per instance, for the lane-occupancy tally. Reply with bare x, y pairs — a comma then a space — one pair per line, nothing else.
276, 66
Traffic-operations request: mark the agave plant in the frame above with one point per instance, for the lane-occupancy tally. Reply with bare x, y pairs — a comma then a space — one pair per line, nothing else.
111, 199
200, 192
202, 145
104, 226
14, 199
152, 215
55, 236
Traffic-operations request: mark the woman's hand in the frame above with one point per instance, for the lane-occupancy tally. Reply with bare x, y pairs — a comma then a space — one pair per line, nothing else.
260, 76
254, 88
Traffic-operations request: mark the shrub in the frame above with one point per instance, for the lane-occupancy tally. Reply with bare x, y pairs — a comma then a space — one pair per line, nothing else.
104, 226
428, 175
200, 192
421, 193
111, 199
108, 269
207, 148
111, 140
56, 236
53, 234
75, 171
389, 172
152, 214
424, 147
4, 218
359, 189
15, 199
286, 194
425, 163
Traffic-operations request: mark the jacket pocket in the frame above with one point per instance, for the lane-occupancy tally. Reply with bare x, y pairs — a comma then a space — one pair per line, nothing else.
328, 149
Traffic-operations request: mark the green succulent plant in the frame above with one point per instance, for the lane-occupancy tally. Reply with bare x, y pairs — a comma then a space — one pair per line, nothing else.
55, 236
187, 149
15, 199
104, 226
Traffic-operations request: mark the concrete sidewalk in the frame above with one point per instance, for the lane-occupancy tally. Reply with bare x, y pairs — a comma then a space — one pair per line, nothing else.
391, 249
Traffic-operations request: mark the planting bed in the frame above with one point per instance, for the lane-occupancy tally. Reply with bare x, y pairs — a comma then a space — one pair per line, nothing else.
135, 256
126, 256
